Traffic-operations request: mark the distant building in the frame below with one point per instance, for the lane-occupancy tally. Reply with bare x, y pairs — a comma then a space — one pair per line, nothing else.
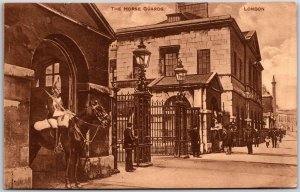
287, 120
267, 102
209, 47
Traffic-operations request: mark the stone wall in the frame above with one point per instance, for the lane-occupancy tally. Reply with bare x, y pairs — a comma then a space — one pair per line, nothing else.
217, 40
17, 84
26, 25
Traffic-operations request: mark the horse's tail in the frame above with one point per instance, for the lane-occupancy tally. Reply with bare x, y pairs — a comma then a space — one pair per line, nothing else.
34, 146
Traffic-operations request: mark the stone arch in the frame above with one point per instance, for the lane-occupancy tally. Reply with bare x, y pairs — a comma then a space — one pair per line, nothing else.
55, 50
58, 48
170, 102
70, 49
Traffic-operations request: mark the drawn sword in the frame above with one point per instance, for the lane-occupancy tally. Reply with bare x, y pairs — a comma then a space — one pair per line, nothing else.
54, 99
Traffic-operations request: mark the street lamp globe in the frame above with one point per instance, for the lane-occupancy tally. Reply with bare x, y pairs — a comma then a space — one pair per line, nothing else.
142, 55
180, 72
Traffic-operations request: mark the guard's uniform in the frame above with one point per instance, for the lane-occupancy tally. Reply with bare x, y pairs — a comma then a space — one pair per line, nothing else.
249, 140
195, 142
128, 146
55, 111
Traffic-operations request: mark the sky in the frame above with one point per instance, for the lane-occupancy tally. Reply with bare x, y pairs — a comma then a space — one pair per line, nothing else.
275, 27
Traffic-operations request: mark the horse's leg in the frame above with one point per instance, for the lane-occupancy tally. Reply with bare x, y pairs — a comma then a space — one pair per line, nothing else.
68, 156
77, 184
33, 151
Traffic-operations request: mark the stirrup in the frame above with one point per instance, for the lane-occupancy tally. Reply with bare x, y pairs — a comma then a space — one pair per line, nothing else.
59, 148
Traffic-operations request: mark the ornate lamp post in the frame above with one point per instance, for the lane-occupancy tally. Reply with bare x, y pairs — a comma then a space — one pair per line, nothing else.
114, 126
142, 100
181, 146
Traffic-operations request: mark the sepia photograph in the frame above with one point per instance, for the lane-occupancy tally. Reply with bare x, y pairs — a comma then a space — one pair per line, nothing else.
173, 95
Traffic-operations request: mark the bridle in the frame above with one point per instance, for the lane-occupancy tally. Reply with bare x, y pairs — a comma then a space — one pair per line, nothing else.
100, 116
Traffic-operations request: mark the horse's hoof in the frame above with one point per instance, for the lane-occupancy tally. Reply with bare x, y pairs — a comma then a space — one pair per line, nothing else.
68, 186
78, 185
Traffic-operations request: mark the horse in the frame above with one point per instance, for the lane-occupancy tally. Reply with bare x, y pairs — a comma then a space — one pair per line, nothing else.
72, 138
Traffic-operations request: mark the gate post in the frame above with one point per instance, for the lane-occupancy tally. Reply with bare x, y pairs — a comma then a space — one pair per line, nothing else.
142, 98
181, 140
142, 128
114, 127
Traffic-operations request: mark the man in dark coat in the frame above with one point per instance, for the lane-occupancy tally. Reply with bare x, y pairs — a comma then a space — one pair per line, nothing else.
195, 141
248, 136
256, 138
274, 138
229, 139
128, 146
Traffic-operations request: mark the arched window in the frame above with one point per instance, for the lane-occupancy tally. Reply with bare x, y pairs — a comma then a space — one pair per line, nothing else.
52, 74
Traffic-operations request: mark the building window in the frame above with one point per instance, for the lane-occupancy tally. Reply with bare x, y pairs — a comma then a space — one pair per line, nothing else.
173, 19
169, 59
250, 72
234, 64
203, 61
52, 75
113, 69
241, 70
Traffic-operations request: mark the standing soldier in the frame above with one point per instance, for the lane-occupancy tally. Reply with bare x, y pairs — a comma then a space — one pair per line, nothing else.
248, 136
195, 141
128, 146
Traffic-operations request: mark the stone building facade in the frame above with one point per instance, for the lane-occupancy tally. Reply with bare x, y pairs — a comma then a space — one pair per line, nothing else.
43, 42
287, 120
269, 119
269, 106
204, 44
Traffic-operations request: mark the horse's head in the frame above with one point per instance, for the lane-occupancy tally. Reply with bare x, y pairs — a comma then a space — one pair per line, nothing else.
99, 113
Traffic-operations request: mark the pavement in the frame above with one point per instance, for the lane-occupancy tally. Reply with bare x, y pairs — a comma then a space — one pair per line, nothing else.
266, 168
285, 154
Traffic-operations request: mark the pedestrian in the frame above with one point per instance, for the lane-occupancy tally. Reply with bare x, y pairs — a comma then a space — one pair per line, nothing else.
128, 146
229, 140
248, 136
256, 138
278, 141
195, 141
274, 138
224, 139
267, 140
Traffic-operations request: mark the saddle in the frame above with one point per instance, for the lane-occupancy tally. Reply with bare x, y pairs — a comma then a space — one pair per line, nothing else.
62, 121
41, 125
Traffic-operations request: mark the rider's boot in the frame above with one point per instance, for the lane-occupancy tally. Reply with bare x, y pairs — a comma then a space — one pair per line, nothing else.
58, 145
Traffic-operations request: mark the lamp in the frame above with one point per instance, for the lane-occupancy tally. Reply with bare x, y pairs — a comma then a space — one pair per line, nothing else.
142, 55
142, 58
180, 72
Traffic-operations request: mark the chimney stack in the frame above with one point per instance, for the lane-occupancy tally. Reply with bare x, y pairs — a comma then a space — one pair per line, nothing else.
200, 9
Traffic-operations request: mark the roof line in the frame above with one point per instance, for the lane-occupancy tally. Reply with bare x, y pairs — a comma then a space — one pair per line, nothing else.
155, 81
102, 19
211, 76
174, 24
73, 20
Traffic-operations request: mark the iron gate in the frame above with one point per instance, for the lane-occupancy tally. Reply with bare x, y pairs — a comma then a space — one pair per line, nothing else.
163, 125
125, 107
169, 127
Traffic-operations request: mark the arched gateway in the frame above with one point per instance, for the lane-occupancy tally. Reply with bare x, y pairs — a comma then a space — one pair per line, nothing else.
56, 59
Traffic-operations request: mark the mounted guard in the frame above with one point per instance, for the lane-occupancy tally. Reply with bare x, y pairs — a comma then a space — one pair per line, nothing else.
58, 117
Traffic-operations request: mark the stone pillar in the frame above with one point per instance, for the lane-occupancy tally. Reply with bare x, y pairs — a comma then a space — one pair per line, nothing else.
17, 90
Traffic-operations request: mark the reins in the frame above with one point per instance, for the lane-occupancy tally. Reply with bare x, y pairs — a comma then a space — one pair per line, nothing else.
91, 124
